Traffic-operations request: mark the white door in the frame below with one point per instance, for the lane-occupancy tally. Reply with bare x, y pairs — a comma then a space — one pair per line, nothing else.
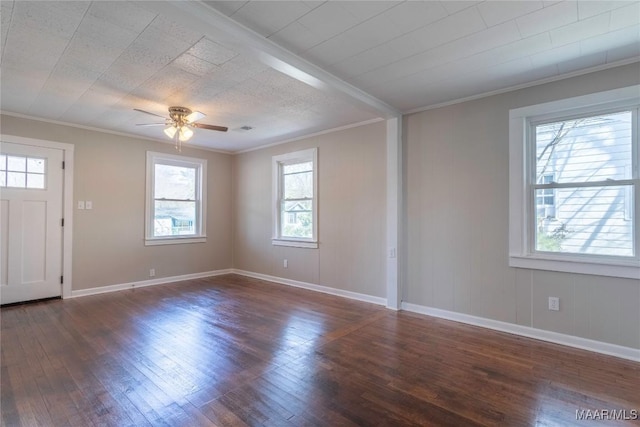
31, 185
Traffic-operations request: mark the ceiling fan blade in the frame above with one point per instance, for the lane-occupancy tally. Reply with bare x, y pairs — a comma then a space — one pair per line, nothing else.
195, 116
210, 127
146, 112
151, 124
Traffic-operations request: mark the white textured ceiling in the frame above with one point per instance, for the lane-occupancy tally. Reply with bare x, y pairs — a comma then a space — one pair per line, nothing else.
417, 53
91, 64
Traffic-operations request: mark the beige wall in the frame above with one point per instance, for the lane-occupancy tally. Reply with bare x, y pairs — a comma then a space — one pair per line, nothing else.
352, 200
108, 241
456, 218
457, 223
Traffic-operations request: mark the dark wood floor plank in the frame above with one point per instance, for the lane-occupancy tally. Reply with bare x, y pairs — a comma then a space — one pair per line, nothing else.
31, 407
221, 415
237, 351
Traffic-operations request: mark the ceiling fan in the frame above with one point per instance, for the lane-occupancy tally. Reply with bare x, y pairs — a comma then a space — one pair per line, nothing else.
179, 123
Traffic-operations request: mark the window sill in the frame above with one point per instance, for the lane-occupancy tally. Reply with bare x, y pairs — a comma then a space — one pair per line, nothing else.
174, 240
611, 268
295, 243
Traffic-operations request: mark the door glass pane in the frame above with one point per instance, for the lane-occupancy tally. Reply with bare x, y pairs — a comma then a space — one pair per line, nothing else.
586, 220
35, 180
16, 179
587, 149
175, 182
174, 218
16, 176
18, 164
35, 165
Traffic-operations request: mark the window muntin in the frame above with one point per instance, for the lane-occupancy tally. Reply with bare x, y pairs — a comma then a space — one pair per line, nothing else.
580, 206
295, 202
22, 172
176, 199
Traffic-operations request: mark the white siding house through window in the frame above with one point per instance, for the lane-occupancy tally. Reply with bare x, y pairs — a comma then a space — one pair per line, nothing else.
585, 219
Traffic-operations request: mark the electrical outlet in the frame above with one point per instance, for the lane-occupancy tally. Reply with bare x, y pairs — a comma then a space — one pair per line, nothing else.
88, 204
554, 303
286, 264
80, 204
152, 272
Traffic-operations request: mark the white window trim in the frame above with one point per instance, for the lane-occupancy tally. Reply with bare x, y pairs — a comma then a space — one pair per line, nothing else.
310, 154
520, 253
201, 196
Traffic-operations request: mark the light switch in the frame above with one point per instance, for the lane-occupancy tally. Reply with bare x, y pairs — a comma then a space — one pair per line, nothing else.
88, 204
80, 204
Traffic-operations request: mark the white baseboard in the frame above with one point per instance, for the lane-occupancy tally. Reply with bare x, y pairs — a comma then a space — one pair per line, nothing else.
314, 287
143, 283
526, 331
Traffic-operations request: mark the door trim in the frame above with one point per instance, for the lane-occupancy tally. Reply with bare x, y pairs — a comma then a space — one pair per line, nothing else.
67, 201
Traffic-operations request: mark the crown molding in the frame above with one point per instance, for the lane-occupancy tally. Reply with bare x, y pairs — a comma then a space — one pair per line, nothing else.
526, 85
108, 131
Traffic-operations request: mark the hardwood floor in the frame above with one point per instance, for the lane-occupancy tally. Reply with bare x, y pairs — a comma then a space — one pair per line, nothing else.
230, 350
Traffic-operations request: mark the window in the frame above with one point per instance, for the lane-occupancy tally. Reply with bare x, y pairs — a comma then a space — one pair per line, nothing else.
295, 199
176, 199
574, 185
22, 172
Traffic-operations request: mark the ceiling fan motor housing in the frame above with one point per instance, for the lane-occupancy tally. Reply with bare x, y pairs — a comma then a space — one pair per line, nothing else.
179, 114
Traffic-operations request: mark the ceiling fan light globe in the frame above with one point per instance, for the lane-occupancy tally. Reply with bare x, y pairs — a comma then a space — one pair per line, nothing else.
185, 134
170, 131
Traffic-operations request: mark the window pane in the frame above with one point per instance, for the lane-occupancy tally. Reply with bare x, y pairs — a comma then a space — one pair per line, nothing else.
174, 218
297, 219
3, 162
17, 164
35, 180
3, 179
35, 165
298, 185
16, 179
298, 167
586, 221
175, 182
585, 150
